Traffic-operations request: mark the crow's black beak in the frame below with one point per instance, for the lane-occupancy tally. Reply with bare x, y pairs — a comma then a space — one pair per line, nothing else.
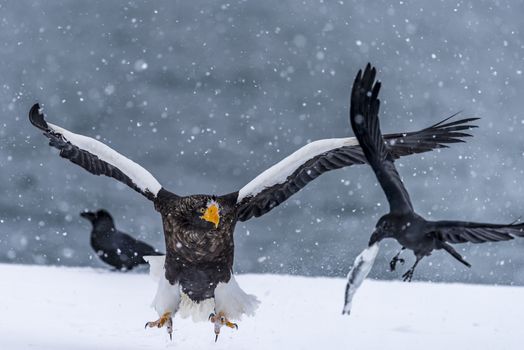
88, 215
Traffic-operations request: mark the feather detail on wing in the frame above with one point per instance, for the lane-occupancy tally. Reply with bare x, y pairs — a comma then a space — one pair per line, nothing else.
282, 180
475, 232
275, 185
366, 126
436, 136
95, 157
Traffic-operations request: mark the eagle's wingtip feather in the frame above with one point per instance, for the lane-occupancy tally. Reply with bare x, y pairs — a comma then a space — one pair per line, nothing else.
36, 117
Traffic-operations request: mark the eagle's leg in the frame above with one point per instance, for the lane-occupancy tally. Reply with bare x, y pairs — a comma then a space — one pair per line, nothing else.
165, 320
220, 320
395, 260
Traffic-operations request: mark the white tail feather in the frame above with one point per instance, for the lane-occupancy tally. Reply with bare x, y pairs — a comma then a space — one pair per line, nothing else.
198, 312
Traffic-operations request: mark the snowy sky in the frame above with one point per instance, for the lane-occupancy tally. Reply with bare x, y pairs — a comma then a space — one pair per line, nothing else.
207, 95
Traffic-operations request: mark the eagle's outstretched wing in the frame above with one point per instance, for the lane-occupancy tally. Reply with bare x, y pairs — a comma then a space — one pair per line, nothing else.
96, 157
290, 175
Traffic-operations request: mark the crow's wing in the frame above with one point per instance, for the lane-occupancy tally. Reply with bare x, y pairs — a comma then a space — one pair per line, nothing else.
132, 246
364, 121
475, 232
95, 157
428, 139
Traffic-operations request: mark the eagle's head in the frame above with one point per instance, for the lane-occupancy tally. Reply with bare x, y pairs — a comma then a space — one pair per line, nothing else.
211, 212
202, 212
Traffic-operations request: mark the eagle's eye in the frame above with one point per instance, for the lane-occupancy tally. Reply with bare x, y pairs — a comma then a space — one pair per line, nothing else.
202, 210
211, 213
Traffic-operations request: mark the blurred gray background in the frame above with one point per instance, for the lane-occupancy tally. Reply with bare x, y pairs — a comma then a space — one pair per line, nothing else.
207, 94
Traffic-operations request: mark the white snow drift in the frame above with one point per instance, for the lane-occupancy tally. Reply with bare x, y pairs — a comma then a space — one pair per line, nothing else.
82, 308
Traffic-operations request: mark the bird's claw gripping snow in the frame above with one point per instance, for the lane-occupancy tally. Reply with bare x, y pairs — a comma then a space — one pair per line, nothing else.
164, 320
220, 320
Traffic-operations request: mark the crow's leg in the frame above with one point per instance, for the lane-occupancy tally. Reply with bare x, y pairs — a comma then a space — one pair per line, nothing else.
165, 320
396, 259
220, 320
409, 273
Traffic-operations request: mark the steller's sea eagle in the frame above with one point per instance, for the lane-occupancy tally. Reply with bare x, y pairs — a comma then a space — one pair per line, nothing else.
195, 277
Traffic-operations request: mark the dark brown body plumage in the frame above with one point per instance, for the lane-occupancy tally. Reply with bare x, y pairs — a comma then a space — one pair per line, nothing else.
199, 256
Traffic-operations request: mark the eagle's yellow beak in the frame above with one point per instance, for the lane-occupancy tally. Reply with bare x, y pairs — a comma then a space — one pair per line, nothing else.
212, 215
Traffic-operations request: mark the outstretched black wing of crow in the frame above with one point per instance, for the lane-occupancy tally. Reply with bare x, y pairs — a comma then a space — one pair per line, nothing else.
366, 126
476, 232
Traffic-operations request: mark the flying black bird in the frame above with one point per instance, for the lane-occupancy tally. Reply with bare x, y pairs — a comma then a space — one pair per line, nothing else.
115, 247
195, 278
411, 230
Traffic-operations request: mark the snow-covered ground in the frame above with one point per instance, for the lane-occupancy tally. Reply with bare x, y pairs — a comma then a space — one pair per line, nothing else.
83, 308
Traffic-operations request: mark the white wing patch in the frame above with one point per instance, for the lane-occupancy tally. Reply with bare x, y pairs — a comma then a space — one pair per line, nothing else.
279, 172
140, 176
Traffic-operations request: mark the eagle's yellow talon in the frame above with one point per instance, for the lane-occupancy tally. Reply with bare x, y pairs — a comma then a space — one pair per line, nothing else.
231, 325
220, 320
164, 320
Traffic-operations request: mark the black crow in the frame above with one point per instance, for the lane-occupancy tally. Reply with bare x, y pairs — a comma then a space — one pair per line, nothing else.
196, 277
115, 247
411, 230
